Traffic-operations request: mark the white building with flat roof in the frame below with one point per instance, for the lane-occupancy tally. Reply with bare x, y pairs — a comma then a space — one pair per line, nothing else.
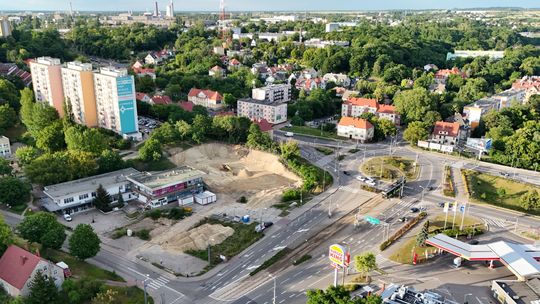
274, 92
116, 102
5, 148
273, 112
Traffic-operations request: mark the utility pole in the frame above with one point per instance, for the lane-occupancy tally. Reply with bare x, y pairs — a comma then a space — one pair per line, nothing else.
144, 289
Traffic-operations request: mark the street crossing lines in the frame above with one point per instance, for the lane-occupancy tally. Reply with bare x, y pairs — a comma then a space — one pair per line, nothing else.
496, 222
158, 283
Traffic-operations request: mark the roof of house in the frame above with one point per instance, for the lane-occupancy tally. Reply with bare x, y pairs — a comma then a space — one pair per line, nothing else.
447, 72
140, 96
263, 124
216, 68
527, 82
161, 99
144, 71
17, 265
451, 128
359, 123
156, 180
213, 95
363, 102
234, 61
186, 105
386, 109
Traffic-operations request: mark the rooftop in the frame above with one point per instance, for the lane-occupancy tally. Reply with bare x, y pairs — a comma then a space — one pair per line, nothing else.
17, 265
363, 102
213, 95
446, 128
262, 102
522, 292
88, 184
156, 180
355, 122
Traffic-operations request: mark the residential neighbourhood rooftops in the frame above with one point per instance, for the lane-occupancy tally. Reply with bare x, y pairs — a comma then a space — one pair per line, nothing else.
141, 96
446, 128
17, 265
156, 180
88, 184
355, 122
363, 102
208, 93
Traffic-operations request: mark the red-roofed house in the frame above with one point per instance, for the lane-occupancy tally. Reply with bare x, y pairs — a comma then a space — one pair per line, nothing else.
141, 72
206, 98
11, 69
160, 100
355, 107
442, 75
186, 105
355, 128
18, 268
216, 71
264, 125
142, 97
234, 63
137, 65
448, 133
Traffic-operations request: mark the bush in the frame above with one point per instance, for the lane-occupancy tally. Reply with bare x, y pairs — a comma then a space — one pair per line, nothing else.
176, 213
154, 214
302, 259
118, 233
290, 195
242, 200
297, 121
351, 287
143, 234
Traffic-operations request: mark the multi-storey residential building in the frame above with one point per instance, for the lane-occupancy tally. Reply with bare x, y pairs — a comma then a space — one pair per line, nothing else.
355, 128
5, 27
355, 107
473, 112
155, 189
209, 99
47, 81
78, 85
5, 148
275, 92
76, 196
18, 268
448, 133
115, 102
273, 112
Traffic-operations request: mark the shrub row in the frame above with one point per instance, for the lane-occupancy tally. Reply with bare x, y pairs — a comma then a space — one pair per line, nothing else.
402, 231
448, 189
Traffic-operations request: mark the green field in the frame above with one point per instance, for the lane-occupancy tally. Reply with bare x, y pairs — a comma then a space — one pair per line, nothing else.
392, 167
485, 188
304, 130
81, 268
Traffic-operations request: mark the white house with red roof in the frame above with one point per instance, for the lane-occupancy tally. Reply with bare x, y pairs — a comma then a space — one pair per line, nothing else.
18, 268
531, 85
142, 97
442, 75
160, 100
137, 65
448, 133
356, 106
355, 128
216, 71
207, 98
234, 63
141, 72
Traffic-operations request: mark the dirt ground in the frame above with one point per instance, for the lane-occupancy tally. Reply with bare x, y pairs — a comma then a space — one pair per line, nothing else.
234, 171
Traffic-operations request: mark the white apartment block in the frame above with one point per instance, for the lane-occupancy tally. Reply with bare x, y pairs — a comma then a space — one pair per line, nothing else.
5, 148
47, 82
78, 87
115, 102
273, 112
273, 93
5, 27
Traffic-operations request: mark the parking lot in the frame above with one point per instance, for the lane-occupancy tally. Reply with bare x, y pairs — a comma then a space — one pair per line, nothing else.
146, 124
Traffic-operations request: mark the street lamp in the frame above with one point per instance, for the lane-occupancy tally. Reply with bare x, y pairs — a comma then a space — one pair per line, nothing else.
465, 298
274, 278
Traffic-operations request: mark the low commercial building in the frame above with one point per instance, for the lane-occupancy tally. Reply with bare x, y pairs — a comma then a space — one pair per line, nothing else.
275, 92
156, 189
273, 112
207, 98
516, 292
76, 196
355, 128
18, 268
5, 148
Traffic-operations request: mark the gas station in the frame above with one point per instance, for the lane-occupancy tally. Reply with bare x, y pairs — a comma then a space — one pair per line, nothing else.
523, 260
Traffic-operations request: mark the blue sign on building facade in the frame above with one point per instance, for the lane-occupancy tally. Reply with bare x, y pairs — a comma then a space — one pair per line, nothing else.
127, 104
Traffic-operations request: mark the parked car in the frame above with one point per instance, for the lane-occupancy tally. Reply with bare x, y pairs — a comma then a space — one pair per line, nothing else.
289, 134
361, 178
505, 174
371, 182
346, 173
402, 219
261, 227
414, 209
67, 217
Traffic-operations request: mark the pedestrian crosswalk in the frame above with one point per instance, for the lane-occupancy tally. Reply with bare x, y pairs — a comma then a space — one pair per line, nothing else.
157, 283
496, 222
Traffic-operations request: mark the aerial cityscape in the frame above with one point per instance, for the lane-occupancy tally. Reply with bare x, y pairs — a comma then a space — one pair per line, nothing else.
269, 152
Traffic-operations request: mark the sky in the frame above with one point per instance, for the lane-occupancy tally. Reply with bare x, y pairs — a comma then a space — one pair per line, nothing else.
258, 5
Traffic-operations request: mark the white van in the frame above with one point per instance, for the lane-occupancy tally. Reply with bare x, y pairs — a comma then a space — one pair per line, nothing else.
289, 134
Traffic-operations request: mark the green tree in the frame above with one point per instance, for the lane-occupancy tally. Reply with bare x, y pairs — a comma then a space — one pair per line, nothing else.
43, 116
85, 139
423, 235
229, 100
84, 242
102, 200
200, 128
8, 117
364, 263
53, 168
174, 91
26, 154
109, 161
289, 149
387, 127
27, 106
501, 192
43, 228
415, 131
151, 150
8, 93
51, 137
13, 191
338, 294
166, 133
42, 290
5, 167
413, 104
6, 236
256, 139
431, 117
107, 296
184, 129
424, 81
530, 200
474, 89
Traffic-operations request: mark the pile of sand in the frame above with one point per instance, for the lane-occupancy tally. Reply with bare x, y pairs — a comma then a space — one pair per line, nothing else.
259, 176
198, 238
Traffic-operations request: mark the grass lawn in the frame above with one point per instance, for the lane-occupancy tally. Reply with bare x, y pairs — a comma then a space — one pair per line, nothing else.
484, 189
160, 165
130, 295
311, 131
81, 268
392, 167
243, 237
15, 132
438, 221
324, 150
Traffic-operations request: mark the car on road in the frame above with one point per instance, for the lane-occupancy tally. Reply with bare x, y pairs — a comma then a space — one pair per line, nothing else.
505, 174
361, 178
346, 173
402, 219
67, 217
414, 209
289, 134
261, 227
440, 204
371, 182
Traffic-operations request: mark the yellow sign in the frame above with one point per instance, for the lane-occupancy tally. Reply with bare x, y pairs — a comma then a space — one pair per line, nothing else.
336, 254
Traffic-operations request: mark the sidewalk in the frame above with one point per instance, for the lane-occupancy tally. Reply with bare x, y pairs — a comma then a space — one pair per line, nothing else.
459, 186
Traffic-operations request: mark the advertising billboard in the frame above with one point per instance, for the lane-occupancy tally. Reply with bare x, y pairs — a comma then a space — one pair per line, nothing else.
337, 255
127, 104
